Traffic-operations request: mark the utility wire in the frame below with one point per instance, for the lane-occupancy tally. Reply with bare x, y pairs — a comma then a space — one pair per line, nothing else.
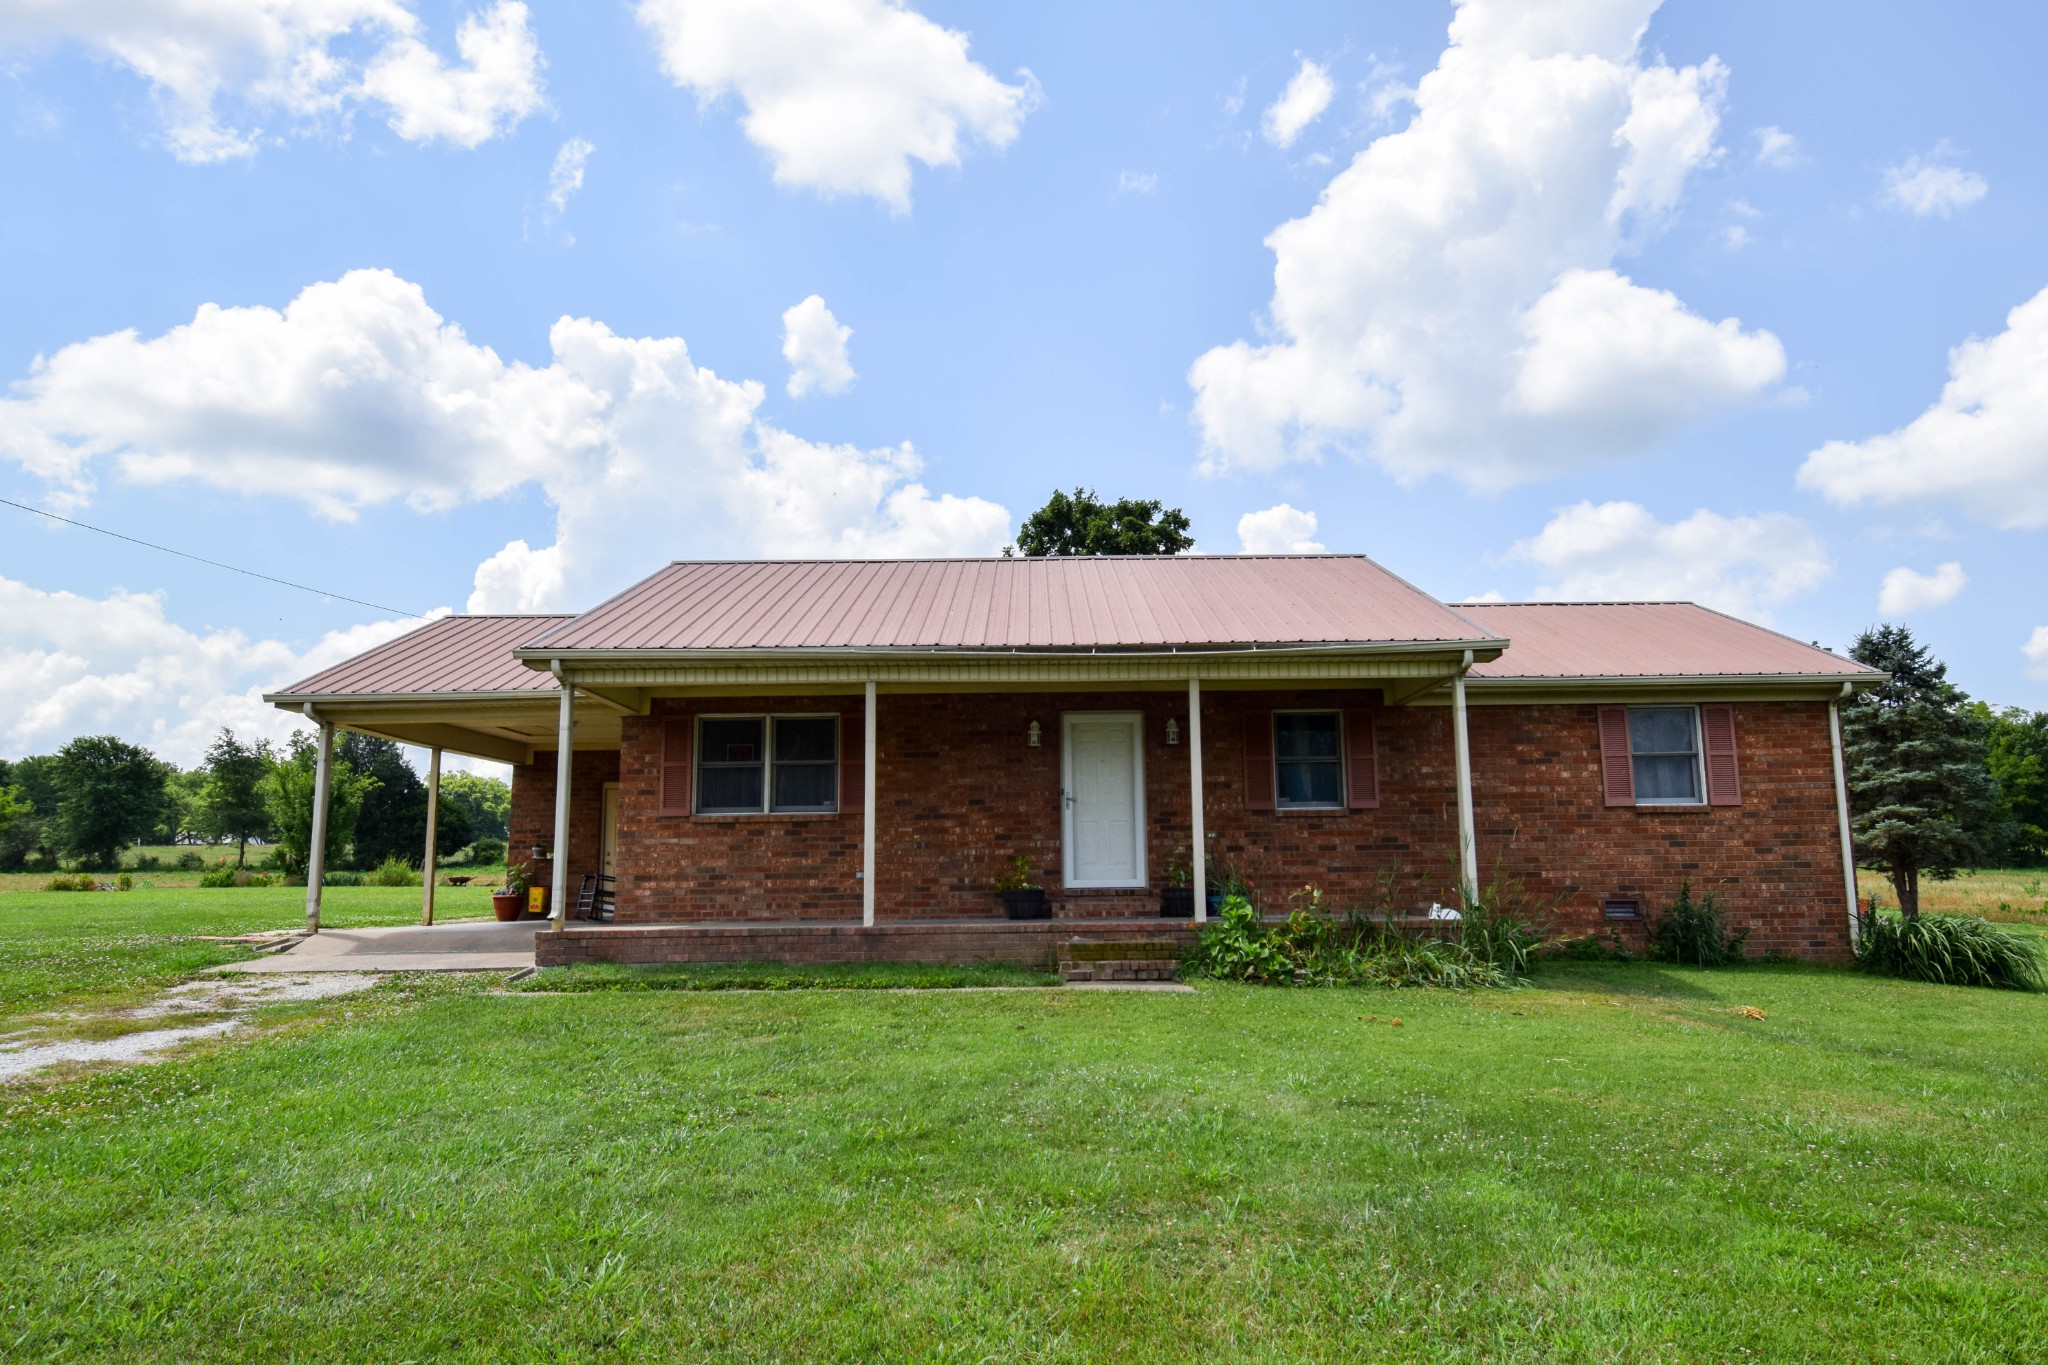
215, 563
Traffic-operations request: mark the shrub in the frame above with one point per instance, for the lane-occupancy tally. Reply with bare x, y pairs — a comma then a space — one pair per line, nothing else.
1952, 950
82, 882
218, 877
485, 852
124, 882
1693, 933
1606, 947
336, 879
148, 862
225, 875
393, 871
1313, 948
188, 861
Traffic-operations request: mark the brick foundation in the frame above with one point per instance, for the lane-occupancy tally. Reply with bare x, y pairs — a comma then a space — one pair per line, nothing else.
1034, 944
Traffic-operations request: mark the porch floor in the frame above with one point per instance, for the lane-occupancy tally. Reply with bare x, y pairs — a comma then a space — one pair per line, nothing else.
464, 946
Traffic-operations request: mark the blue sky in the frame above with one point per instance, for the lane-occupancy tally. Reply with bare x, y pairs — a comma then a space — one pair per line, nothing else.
1582, 313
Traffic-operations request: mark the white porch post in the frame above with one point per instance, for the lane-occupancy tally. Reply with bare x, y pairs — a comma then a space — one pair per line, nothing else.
316, 850
1200, 866
565, 758
433, 830
1842, 820
1468, 844
867, 823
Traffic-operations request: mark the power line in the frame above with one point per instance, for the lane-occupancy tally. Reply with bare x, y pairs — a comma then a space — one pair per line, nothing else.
215, 563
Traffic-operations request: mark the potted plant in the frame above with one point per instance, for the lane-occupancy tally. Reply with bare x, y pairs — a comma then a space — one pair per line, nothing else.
508, 902
1022, 898
1177, 898
1226, 881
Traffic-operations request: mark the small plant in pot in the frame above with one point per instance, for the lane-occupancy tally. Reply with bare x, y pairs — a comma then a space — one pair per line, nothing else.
508, 902
1022, 898
1177, 898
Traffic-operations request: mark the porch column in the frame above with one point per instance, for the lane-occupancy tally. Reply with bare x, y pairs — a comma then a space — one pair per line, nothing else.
1842, 819
1468, 846
433, 829
565, 760
316, 850
867, 821
1200, 866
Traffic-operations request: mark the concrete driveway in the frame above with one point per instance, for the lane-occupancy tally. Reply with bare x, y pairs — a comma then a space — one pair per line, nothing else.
471, 946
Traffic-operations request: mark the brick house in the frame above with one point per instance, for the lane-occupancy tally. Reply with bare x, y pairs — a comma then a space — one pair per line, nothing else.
835, 760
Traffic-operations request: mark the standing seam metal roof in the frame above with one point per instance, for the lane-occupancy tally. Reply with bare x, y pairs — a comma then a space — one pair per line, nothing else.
1109, 602
1644, 640
455, 654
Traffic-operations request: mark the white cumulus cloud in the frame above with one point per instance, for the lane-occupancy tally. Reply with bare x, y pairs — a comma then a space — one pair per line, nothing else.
814, 344
1619, 551
1136, 182
1932, 186
358, 394
1777, 148
841, 94
1983, 444
1427, 311
1278, 530
218, 67
565, 177
72, 665
1307, 95
1905, 591
2036, 650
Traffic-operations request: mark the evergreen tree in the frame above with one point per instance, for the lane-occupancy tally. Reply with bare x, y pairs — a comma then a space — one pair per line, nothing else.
233, 806
393, 820
113, 794
288, 796
1082, 524
1919, 787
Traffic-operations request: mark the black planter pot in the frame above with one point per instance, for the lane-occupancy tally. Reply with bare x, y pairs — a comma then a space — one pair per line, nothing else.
1177, 902
1025, 904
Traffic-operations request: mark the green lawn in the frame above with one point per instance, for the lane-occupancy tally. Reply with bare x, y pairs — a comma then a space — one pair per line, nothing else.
1613, 1164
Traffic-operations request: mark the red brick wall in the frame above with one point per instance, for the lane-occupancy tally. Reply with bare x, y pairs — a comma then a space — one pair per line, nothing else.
960, 792
1775, 860
533, 813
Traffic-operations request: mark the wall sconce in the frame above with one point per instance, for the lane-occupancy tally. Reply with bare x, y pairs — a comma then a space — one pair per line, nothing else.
1032, 735
539, 854
1172, 730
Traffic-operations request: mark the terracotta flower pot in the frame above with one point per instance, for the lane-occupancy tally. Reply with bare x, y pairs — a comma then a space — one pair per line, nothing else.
508, 905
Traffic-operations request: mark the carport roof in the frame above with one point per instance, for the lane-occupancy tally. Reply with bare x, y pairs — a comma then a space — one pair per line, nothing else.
456, 656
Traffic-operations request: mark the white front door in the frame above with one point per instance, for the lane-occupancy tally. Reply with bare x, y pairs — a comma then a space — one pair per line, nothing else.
1103, 765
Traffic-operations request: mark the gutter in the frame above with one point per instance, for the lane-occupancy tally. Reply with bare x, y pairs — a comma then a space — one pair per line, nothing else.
542, 659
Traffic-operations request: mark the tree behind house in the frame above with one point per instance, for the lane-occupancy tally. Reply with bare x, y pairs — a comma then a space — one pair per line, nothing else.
485, 803
1919, 788
393, 820
113, 795
1082, 524
232, 806
2017, 742
288, 796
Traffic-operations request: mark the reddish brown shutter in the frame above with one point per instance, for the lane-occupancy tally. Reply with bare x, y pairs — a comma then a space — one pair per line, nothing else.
675, 766
1724, 779
852, 757
1258, 760
1362, 766
1617, 771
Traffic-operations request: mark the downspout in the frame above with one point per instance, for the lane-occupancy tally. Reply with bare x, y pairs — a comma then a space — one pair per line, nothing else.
1842, 815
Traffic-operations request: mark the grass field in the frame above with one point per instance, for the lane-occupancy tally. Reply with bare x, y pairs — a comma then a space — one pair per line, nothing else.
1615, 1163
2011, 894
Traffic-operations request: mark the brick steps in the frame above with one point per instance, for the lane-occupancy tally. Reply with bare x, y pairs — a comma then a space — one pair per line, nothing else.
1144, 959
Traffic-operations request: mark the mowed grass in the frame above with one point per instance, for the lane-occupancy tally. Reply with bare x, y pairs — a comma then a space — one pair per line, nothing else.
85, 949
1614, 1164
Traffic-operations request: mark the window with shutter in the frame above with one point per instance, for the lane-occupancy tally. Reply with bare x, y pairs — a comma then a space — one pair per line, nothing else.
1724, 778
1617, 778
1258, 760
1361, 750
1664, 754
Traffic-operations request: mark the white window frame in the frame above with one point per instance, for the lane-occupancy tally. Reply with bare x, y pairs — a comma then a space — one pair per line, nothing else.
1699, 756
767, 806
1343, 801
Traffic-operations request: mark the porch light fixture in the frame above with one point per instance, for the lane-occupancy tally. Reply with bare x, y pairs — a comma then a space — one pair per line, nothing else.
539, 854
1172, 730
1032, 735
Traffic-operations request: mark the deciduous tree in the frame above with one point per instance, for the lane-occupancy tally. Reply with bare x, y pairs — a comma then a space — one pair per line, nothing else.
233, 805
112, 794
1081, 524
288, 796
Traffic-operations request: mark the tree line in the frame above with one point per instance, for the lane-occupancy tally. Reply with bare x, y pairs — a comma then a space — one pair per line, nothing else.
99, 795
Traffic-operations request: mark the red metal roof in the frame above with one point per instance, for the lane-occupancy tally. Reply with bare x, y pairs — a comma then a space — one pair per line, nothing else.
456, 654
1108, 602
1644, 640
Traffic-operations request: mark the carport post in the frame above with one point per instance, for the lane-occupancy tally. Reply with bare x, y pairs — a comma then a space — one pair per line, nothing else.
433, 830
316, 849
565, 757
1201, 860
